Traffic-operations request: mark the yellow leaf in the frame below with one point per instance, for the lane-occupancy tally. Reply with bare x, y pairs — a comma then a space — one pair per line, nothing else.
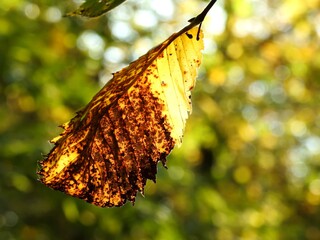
109, 149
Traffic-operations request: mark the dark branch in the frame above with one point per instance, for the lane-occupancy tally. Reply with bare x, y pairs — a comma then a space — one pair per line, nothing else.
198, 19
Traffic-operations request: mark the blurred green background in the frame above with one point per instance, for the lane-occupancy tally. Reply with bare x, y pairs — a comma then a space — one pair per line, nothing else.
249, 165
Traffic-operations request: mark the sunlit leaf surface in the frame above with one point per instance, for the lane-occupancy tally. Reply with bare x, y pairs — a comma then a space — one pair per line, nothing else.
108, 151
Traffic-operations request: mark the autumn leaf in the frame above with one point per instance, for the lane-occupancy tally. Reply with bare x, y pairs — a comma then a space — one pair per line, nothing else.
95, 8
109, 149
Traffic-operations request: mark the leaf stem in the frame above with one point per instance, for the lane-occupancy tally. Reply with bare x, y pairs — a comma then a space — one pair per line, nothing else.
198, 19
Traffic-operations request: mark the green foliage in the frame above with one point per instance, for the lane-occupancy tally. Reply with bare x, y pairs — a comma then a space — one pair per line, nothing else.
248, 167
95, 8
